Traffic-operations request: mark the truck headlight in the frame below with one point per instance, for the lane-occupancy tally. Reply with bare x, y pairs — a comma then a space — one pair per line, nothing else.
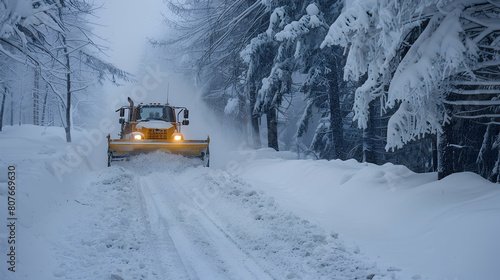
136, 135
178, 137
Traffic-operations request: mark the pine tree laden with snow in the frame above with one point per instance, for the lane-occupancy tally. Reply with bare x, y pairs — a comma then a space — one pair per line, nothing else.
414, 53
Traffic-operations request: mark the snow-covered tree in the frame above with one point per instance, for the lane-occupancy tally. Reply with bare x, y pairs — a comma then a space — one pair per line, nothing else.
53, 40
412, 53
258, 56
278, 82
296, 28
23, 27
80, 55
206, 42
320, 68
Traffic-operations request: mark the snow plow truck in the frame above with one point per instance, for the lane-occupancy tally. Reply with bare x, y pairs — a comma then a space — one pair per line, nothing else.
154, 127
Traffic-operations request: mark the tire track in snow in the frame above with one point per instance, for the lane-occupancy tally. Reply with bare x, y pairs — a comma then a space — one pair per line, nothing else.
105, 235
206, 251
171, 263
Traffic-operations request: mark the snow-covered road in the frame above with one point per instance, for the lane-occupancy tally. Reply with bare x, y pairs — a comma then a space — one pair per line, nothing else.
202, 223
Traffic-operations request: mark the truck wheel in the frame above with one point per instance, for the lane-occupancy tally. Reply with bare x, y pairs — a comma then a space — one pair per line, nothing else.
206, 158
110, 155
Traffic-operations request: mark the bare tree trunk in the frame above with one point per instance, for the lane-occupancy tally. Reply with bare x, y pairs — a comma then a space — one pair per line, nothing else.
444, 148
51, 115
20, 119
2, 107
36, 97
272, 129
68, 81
68, 94
254, 119
434, 154
337, 131
256, 131
44, 106
369, 138
11, 107
445, 152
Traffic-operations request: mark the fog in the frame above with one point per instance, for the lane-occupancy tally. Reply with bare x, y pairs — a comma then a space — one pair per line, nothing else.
126, 26
155, 84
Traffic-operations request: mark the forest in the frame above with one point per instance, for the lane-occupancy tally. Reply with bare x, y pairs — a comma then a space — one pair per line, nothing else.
407, 82
50, 65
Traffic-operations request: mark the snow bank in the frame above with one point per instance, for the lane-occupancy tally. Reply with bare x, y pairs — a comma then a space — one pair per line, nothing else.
45, 202
411, 222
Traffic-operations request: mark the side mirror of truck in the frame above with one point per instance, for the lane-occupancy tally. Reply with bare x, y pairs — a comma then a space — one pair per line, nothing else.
185, 122
122, 112
186, 113
122, 121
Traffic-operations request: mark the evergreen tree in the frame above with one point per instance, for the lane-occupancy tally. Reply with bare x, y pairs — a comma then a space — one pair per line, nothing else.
321, 67
413, 52
210, 36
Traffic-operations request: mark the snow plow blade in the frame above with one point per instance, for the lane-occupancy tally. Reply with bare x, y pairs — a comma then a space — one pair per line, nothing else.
123, 148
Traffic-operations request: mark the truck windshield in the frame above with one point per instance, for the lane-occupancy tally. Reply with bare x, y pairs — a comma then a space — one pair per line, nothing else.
163, 113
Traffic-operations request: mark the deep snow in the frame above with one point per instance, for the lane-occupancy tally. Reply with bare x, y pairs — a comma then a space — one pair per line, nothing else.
438, 229
254, 215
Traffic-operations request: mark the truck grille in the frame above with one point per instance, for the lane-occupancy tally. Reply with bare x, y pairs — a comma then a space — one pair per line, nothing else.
157, 134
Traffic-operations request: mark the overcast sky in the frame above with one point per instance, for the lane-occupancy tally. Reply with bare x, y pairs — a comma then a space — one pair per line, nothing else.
127, 24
